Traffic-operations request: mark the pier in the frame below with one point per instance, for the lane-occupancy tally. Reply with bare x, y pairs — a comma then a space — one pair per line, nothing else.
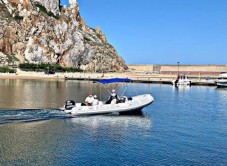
195, 82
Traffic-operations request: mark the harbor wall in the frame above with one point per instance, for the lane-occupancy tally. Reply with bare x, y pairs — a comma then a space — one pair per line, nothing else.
212, 70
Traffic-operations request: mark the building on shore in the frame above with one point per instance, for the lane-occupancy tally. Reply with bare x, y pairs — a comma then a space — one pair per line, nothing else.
196, 70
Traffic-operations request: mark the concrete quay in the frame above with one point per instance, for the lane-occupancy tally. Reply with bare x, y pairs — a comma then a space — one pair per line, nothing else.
157, 80
135, 77
192, 70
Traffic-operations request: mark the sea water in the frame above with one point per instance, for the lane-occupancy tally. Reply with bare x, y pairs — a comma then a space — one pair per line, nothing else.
183, 126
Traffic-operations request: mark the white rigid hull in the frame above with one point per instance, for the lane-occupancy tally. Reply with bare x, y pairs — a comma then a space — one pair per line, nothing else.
222, 83
184, 82
222, 80
137, 102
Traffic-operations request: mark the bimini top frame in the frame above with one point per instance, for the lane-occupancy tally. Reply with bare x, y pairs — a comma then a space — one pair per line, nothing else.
113, 80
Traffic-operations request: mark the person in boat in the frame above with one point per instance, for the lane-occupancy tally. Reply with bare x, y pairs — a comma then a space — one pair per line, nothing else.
113, 98
96, 101
89, 100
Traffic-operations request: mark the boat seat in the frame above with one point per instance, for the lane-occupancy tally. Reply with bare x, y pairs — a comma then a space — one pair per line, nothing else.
130, 98
100, 103
78, 104
123, 99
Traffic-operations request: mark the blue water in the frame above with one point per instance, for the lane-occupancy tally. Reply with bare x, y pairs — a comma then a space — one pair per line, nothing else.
186, 126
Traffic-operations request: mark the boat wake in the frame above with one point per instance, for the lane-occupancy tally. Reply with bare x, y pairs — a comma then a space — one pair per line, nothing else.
30, 115
36, 115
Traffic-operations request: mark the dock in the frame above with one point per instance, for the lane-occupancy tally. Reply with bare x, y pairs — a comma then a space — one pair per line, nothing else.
150, 81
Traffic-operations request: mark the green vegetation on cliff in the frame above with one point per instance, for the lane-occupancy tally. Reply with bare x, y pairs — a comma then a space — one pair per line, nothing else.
43, 10
6, 70
47, 67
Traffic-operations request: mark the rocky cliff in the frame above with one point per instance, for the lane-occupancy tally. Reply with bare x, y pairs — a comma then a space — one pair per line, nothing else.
41, 31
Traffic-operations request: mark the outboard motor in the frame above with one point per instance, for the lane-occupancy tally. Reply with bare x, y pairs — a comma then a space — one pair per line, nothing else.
69, 104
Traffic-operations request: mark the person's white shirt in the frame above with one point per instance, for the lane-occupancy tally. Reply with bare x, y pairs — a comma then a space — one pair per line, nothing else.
96, 101
89, 99
114, 101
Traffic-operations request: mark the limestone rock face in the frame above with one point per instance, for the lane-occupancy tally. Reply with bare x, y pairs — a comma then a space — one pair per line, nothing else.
40, 31
73, 3
50, 5
3, 59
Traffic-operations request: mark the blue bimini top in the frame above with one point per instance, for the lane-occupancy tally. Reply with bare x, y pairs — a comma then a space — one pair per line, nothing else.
113, 80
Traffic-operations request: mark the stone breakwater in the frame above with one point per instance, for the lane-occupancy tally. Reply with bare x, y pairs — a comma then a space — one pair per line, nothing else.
192, 70
142, 78
42, 31
135, 77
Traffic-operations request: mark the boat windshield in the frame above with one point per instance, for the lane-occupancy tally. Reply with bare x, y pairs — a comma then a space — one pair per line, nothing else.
183, 77
222, 78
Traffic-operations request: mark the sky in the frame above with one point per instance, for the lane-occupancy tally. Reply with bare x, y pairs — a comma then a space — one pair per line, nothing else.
161, 31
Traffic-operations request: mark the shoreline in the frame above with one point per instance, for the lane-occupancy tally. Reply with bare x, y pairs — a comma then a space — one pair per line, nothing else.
137, 78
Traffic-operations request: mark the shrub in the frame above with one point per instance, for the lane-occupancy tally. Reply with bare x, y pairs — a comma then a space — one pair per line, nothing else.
45, 67
6, 70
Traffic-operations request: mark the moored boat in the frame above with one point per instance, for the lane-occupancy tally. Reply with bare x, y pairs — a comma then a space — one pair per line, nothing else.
182, 80
222, 80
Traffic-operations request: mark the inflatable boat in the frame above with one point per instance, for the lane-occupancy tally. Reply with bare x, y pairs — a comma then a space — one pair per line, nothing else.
125, 105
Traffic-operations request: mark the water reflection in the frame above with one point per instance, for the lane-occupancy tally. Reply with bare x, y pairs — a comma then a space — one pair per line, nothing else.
220, 99
192, 121
124, 122
182, 88
56, 140
46, 94
31, 94
222, 90
29, 143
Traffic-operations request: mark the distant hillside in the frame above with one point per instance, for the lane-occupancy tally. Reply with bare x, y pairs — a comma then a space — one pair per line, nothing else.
38, 31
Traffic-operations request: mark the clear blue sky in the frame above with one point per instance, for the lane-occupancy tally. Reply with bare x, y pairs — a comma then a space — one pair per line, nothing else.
162, 31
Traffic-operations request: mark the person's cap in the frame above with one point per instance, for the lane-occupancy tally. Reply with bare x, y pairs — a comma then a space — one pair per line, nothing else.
113, 90
95, 96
